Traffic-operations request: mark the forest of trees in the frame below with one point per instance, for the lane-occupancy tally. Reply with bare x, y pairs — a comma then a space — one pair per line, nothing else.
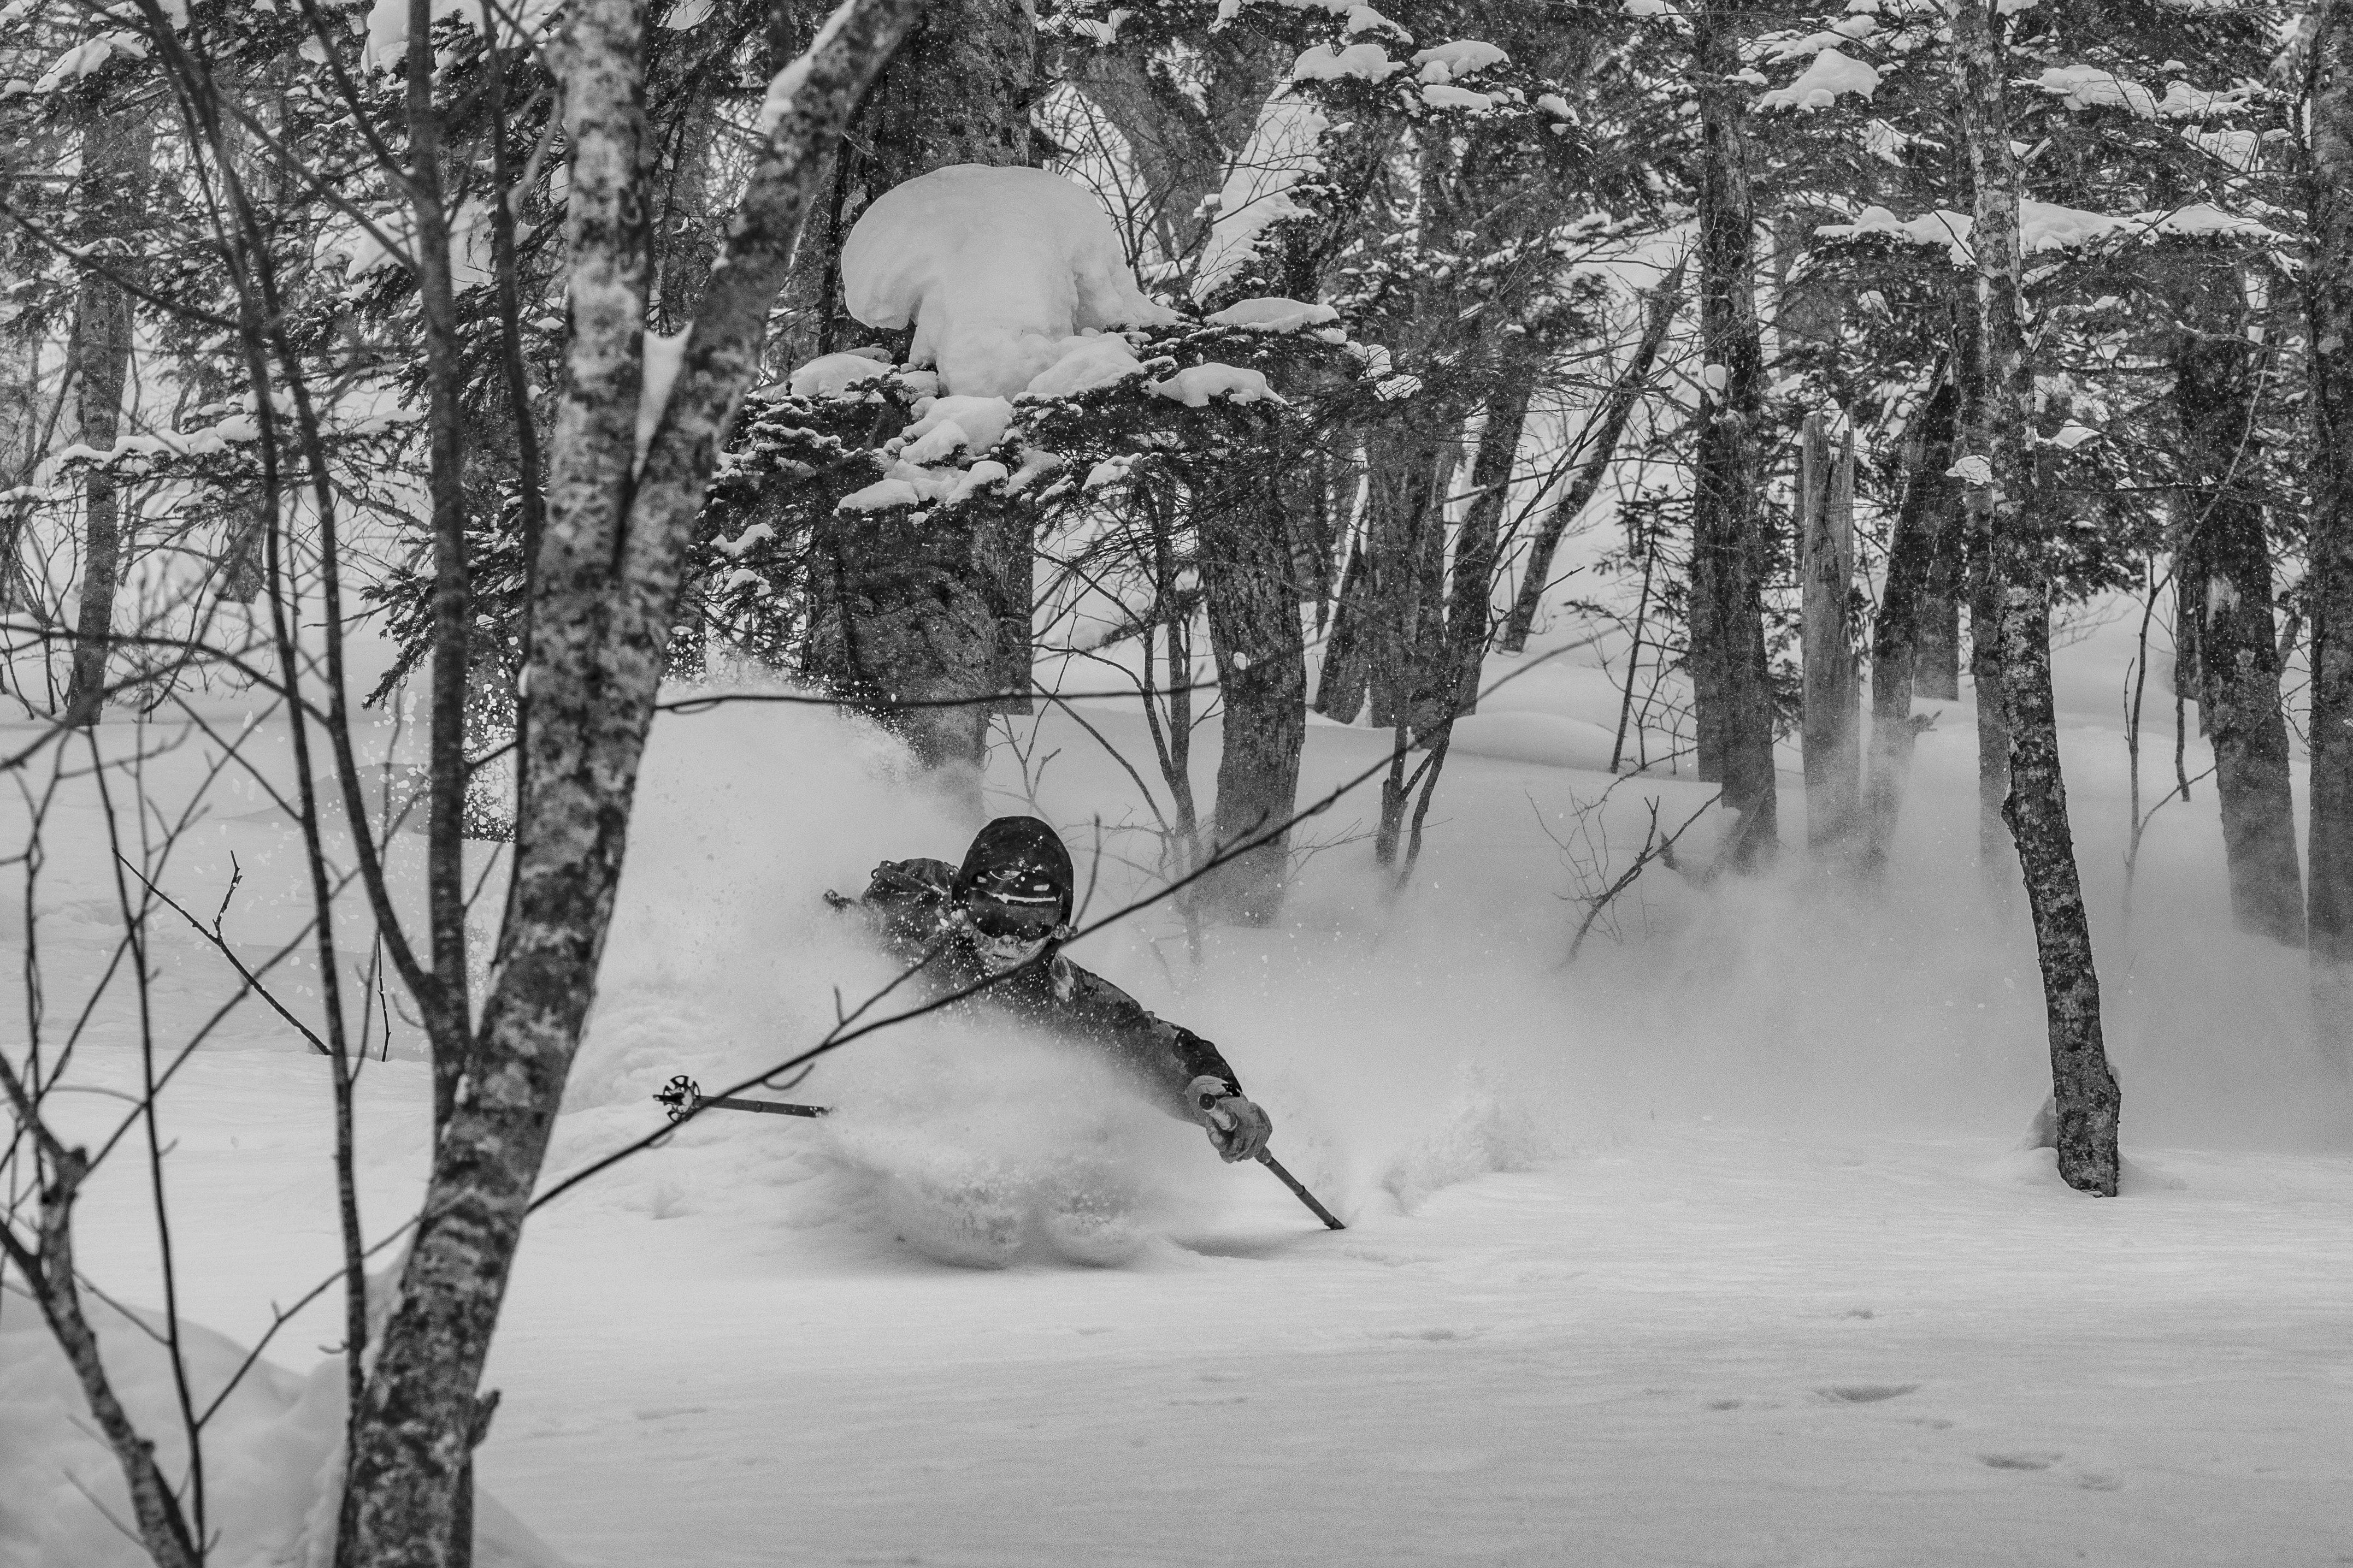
535, 336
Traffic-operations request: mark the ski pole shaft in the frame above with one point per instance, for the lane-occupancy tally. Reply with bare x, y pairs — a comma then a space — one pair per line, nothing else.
1299, 1191
683, 1097
773, 1106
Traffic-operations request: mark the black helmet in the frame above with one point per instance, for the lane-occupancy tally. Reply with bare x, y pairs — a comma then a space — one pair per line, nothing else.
1018, 877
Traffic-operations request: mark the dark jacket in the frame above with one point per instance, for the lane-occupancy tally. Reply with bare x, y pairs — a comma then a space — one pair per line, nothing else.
913, 908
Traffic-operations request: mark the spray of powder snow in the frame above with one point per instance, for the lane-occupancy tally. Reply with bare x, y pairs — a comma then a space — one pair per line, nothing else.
1402, 1044
953, 1133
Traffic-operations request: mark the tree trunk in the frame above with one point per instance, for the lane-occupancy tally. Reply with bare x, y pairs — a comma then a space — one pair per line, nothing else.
942, 612
1471, 591
1937, 658
1826, 571
2329, 603
117, 158
1599, 444
1411, 462
1916, 544
2222, 571
1981, 575
2036, 808
1731, 689
1341, 688
610, 565
1261, 656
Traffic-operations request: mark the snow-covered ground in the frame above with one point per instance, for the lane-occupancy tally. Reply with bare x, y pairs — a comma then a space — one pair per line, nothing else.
1714, 1247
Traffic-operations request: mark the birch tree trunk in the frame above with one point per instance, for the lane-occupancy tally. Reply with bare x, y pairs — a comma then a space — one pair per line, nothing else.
2222, 572
2036, 806
117, 160
609, 570
1731, 694
2329, 301
1913, 547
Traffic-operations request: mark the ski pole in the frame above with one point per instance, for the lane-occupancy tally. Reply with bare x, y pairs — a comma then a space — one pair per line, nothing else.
1299, 1190
683, 1097
1225, 1121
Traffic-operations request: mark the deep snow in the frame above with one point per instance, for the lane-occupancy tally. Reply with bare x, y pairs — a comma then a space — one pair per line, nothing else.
1715, 1248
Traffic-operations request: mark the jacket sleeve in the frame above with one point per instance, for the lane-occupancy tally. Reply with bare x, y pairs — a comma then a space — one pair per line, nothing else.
1167, 1056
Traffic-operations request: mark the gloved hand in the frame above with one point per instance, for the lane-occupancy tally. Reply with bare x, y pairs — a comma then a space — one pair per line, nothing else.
1237, 1126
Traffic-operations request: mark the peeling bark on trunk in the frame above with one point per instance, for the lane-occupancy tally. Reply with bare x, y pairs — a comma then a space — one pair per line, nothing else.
2036, 808
609, 570
1731, 694
1832, 729
1261, 655
2328, 299
2224, 571
1607, 429
117, 160
1916, 542
902, 612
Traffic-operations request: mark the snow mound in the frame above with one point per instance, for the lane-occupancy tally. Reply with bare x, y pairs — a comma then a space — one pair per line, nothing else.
995, 269
266, 1451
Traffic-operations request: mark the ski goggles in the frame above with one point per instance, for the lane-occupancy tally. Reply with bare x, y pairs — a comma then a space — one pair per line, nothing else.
1017, 922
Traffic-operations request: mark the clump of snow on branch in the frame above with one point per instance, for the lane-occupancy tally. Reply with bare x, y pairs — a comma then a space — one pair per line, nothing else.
1464, 56
1274, 314
2089, 87
998, 270
2047, 225
834, 376
1369, 62
1820, 84
1194, 386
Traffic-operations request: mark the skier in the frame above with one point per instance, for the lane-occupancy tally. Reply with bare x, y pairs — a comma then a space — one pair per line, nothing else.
1007, 912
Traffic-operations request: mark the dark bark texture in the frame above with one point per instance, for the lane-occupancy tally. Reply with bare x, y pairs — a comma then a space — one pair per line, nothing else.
1925, 515
1732, 692
116, 159
2036, 806
2223, 574
1832, 727
2328, 602
1247, 576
